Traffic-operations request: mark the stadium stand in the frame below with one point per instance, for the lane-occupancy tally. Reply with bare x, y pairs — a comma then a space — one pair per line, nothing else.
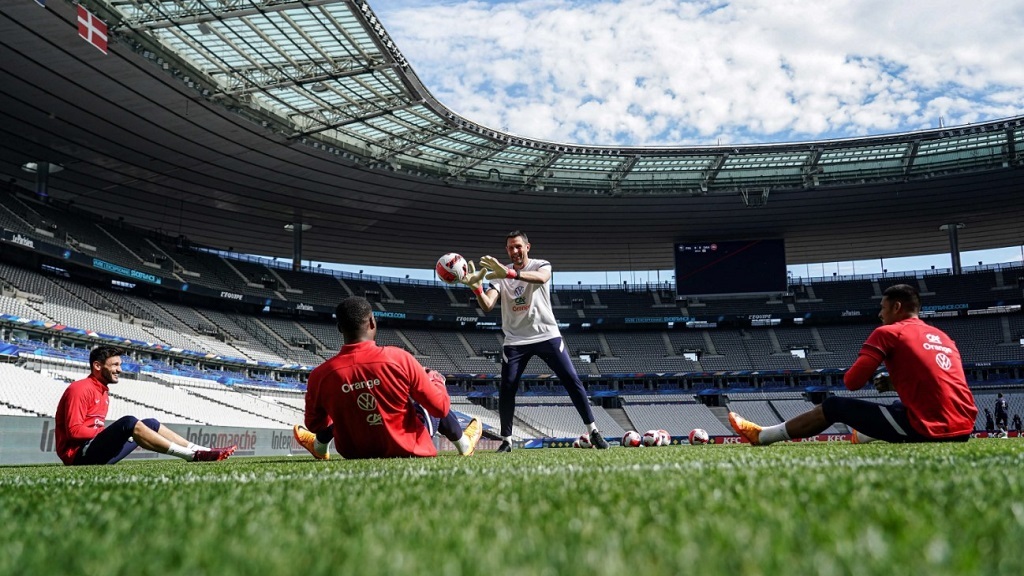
489, 418
329, 338
316, 287
725, 356
987, 399
728, 353
29, 391
790, 408
552, 417
987, 338
288, 339
841, 344
676, 416
83, 234
423, 299
626, 301
945, 289
13, 218
830, 295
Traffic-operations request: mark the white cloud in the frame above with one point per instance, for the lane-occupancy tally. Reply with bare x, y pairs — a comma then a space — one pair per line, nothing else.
665, 72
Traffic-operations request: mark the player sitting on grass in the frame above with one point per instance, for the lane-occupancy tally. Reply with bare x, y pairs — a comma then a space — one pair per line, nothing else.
934, 404
83, 436
377, 401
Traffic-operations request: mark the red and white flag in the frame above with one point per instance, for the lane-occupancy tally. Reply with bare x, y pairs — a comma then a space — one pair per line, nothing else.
92, 29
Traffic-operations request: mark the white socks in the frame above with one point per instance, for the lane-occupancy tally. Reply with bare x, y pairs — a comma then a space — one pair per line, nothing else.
194, 447
180, 452
463, 444
772, 434
591, 427
321, 448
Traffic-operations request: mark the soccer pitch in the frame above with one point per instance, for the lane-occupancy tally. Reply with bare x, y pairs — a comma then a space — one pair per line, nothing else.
737, 510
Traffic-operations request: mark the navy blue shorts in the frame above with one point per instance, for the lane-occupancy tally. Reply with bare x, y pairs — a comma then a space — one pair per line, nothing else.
113, 443
887, 422
554, 353
448, 426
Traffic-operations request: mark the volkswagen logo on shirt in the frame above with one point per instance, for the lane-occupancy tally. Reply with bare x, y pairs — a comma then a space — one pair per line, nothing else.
366, 401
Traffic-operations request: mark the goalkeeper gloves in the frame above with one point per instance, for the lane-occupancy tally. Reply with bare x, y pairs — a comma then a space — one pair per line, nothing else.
496, 270
474, 278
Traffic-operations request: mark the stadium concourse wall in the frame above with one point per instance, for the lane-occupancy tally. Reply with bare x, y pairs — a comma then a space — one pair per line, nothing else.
31, 440
683, 441
26, 440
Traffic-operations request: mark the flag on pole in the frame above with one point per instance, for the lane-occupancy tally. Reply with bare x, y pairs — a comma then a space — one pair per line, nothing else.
92, 29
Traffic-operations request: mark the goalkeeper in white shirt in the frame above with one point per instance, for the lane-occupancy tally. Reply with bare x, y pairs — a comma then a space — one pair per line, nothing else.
530, 330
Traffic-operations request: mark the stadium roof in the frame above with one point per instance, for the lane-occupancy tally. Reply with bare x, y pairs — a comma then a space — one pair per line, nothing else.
226, 120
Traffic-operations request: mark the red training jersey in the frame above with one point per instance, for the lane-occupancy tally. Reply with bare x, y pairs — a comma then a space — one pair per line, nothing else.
367, 391
926, 371
81, 414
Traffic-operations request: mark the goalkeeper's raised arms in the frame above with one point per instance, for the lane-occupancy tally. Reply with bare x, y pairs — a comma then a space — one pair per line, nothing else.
496, 270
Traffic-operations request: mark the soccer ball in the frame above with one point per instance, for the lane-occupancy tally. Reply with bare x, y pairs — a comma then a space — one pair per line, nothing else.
582, 442
451, 268
631, 439
699, 436
666, 438
652, 438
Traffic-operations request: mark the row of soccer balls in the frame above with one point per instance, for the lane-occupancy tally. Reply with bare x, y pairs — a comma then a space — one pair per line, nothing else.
651, 438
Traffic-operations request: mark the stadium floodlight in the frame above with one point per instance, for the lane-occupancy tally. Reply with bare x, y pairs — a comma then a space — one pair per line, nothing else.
36, 167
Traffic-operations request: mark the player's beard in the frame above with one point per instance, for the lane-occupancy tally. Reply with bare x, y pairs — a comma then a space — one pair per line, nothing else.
109, 377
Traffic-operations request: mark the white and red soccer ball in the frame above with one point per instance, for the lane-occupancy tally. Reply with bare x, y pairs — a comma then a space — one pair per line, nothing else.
451, 268
652, 438
582, 442
699, 436
666, 438
632, 440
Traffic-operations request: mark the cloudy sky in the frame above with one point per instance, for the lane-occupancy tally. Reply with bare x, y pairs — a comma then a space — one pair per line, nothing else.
676, 73
667, 72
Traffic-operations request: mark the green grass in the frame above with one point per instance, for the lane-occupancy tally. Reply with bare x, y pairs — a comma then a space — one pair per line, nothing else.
786, 509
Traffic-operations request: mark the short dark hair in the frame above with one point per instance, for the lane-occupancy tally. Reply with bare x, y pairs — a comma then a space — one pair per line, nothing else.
352, 313
906, 295
102, 353
517, 234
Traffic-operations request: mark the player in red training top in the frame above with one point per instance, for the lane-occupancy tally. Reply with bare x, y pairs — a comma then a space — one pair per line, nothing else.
377, 401
924, 369
83, 436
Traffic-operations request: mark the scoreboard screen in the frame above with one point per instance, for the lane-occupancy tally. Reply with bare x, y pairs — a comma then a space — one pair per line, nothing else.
730, 267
